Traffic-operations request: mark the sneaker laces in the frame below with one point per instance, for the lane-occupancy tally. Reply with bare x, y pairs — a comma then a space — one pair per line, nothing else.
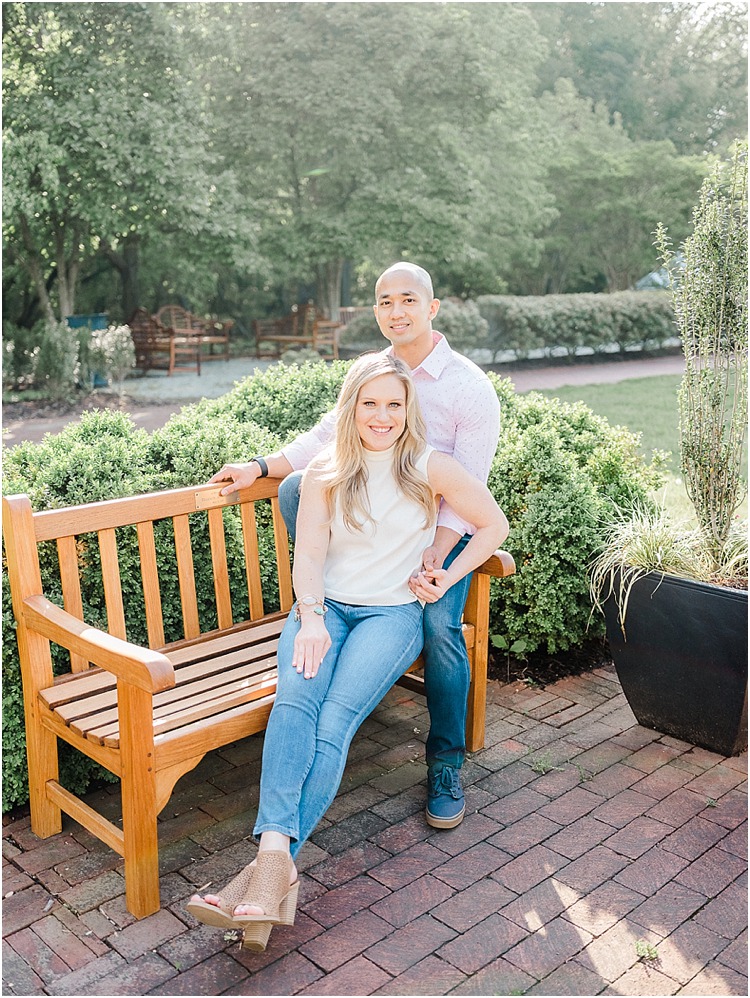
445, 781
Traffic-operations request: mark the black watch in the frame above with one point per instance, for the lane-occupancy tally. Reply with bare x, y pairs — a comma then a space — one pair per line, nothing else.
263, 466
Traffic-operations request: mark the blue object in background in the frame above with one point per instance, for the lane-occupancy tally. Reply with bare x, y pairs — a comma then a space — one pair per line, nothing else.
95, 320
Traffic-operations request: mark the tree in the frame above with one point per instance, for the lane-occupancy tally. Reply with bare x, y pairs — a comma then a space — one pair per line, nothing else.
674, 71
105, 146
609, 192
377, 131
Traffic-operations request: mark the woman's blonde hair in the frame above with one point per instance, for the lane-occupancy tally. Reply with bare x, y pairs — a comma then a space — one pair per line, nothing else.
346, 473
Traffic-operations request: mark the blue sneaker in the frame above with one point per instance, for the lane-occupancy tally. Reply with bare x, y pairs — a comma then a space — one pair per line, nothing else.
445, 798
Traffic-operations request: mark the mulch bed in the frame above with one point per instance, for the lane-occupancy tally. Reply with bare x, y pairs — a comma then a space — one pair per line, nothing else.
540, 668
22, 409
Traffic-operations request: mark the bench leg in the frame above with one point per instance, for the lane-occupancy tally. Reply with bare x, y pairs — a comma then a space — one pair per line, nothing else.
41, 753
477, 612
139, 805
41, 744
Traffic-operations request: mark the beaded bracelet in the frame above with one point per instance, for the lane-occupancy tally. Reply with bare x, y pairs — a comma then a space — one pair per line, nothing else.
316, 602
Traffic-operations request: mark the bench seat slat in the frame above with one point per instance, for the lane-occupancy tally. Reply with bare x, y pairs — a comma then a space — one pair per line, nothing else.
190, 651
71, 687
85, 693
204, 706
84, 715
188, 679
228, 679
75, 699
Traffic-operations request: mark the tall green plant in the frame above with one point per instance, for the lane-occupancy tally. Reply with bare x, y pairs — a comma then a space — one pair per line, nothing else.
710, 299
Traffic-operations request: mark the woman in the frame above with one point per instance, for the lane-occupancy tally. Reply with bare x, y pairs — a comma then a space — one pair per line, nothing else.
367, 512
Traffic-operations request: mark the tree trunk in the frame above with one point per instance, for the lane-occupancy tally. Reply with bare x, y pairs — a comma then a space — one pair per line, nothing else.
68, 268
346, 282
329, 287
131, 289
35, 270
127, 264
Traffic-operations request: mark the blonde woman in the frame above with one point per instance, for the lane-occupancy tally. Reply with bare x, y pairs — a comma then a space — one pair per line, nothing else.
367, 514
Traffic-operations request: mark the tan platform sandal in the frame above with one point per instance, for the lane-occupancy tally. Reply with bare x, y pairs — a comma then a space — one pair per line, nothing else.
222, 916
272, 892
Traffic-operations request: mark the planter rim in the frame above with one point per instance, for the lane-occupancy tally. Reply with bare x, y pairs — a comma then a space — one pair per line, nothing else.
726, 592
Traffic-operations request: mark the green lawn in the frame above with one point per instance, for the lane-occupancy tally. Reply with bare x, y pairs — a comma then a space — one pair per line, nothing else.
647, 406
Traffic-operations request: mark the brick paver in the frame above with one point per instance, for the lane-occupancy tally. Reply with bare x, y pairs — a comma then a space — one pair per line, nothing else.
430, 976
407, 946
541, 904
586, 838
549, 947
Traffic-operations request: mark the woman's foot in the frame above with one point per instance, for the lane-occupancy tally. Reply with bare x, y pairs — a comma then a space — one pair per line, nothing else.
272, 894
256, 909
217, 909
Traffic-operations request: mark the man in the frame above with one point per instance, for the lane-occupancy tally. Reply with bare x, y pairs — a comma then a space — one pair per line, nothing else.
462, 414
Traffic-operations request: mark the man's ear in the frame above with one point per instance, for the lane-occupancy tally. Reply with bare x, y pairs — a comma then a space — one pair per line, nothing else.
434, 307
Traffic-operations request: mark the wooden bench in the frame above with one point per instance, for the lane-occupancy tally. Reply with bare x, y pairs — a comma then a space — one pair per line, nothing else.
201, 679
210, 332
159, 347
303, 327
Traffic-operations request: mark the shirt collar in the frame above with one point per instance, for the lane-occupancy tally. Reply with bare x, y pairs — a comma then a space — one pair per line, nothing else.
437, 359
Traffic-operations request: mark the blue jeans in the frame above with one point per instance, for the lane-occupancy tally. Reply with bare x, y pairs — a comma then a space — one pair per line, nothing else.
447, 673
313, 721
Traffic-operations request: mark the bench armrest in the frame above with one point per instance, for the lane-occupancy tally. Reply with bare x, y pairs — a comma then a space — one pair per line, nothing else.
148, 670
500, 565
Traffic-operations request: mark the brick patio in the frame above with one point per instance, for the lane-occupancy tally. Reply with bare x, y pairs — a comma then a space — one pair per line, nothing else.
597, 857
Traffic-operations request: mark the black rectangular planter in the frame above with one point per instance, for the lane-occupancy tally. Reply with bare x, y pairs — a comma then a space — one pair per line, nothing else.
682, 663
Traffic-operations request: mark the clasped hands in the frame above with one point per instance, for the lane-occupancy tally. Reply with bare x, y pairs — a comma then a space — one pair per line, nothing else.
431, 581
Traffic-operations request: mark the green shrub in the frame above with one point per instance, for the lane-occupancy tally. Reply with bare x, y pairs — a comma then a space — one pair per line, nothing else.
514, 324
195, 442
558, 468
112, 354
20, 346
520, 324
362, 333
284, 399
57, 367
462, 324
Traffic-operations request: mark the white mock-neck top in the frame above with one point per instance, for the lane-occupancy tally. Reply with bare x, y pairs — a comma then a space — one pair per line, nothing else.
372, 566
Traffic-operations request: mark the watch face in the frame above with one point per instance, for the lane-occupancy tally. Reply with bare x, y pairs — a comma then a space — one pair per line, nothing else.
309, 600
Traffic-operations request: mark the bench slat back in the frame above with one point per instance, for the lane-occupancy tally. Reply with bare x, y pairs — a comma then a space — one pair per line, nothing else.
104, 534
178, 318
71, 586
150, 579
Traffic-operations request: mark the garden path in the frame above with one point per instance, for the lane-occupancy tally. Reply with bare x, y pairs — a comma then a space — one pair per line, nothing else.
152, 399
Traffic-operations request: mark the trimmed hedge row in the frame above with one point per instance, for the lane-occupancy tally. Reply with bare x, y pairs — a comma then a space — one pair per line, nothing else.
518, 324
625, 319
557, 473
